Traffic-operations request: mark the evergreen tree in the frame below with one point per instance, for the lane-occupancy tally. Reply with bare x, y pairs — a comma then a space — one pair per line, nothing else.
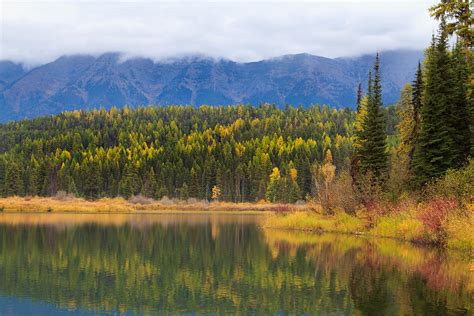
434, 151
34, 173
13, 181
150, 185
417, 102
359, 96
460, 117
92, 180
130, 183
373, 157
72, 186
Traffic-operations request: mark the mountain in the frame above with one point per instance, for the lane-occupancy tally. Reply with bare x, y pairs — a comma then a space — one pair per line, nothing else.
84, 82
9, 72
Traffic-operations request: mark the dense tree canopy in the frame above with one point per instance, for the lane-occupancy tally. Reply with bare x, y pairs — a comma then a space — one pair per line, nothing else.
178, 151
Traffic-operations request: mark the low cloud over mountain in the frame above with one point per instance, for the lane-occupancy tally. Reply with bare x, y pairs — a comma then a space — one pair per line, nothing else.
84, 82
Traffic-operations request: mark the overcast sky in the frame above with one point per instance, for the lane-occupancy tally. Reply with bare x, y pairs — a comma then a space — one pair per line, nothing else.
36, 32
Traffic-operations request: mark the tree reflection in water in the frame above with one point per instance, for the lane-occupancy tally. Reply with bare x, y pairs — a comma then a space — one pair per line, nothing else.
219, 264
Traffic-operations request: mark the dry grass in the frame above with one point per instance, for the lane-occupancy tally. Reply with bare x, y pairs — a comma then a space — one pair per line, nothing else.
310, 221
135, 204
75, 205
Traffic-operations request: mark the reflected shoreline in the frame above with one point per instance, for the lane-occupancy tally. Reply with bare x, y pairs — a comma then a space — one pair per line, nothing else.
136, 219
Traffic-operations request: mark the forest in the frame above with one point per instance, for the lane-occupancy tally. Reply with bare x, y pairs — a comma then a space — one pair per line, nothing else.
177, 151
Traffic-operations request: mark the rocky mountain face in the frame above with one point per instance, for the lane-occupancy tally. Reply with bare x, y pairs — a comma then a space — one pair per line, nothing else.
85, 82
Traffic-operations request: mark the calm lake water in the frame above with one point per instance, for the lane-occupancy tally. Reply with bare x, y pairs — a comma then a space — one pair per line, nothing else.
216, 264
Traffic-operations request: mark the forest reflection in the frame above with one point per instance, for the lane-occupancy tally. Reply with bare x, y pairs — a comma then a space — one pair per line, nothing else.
221, 264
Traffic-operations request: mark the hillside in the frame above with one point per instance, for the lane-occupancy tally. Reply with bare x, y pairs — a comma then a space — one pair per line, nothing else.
177, 151
81, 82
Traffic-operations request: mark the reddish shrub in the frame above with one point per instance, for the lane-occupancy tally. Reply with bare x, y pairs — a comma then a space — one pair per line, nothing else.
434, 216
373, 210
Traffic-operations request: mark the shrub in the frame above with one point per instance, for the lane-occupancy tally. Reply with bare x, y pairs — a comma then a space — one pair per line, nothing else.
456, 183
374, 210
300, 202
64, 196
344, 195
434, 215
140, 199
166, 200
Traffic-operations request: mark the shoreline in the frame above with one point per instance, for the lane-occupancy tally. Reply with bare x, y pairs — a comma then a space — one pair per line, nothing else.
402, 227
37, 205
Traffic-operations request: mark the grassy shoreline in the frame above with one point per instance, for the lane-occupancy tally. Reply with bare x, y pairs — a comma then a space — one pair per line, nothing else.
404, 226
120, 205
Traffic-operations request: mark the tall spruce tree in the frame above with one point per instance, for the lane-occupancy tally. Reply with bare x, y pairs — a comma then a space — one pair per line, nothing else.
359, 96
434, 149
373, 156
460, 115
417, 102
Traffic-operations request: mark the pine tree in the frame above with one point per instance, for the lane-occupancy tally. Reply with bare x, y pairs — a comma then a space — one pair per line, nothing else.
150, 185
130, 183
359, 96
417, 102
34, 174
72, 186
460, 116
373, 157
92, 181
433, 153
13, 181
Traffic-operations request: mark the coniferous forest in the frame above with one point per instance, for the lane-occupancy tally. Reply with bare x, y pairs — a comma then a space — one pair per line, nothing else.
177, 151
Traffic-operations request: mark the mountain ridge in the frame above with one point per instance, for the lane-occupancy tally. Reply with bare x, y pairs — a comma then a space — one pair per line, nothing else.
85, 81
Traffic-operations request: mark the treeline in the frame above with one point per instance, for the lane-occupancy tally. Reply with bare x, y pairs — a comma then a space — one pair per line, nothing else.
177, 151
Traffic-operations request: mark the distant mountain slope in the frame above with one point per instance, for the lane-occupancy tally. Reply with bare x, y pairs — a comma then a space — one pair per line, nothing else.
9, 72
80, 82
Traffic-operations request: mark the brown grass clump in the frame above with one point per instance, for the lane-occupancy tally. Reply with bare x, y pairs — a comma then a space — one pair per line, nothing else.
140, 199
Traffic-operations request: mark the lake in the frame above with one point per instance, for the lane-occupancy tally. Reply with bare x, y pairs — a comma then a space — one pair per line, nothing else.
54, 264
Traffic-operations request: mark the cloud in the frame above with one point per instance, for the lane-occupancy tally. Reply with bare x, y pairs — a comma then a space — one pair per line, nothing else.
38, 31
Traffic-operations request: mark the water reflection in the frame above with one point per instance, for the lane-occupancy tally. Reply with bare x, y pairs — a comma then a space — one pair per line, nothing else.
220, 264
